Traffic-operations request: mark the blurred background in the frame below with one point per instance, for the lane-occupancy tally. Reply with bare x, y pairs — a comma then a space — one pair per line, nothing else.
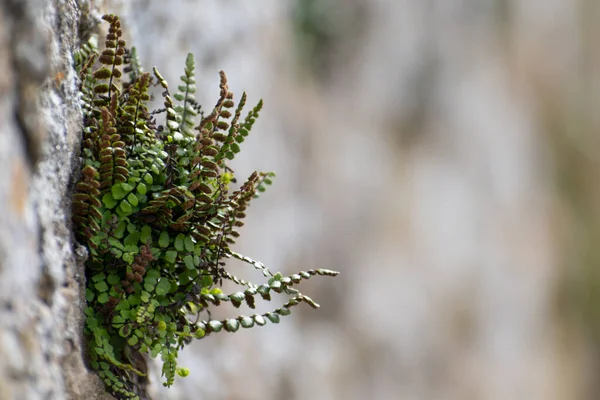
443, 155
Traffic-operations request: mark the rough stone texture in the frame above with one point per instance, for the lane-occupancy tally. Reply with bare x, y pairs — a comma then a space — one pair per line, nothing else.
40, 274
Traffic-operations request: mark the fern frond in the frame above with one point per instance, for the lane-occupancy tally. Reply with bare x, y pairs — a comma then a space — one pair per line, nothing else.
233, 324
186, 111
111, 59
86, 204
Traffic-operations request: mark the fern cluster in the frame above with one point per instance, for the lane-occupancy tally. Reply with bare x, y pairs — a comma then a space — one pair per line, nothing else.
155, 208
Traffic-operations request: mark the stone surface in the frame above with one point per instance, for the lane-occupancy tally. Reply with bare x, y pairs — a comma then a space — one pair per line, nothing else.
40, 275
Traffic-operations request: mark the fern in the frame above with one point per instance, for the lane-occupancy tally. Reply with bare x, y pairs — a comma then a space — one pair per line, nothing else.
154, 207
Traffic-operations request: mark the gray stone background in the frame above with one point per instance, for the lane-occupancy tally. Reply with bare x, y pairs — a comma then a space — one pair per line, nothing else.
443, 155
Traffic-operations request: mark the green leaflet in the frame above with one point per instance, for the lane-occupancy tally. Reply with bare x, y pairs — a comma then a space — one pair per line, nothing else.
163, 240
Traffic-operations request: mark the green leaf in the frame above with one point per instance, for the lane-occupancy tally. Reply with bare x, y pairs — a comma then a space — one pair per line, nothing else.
247, 322
189, 243
215, 325
120, 231
131, 249
150, 280
141, 188
128, 257
232, 325
146, 234
237, 298
109, 201
101, 286
103, 298
125, 207
199, 334
123, 305
89, 295
98, 277
133, 340
118, 192
263, 289
163, 240
283, 311
97, 239
170, 256
274, 318
126, 187
115, 243
179, 242
184, 277
135, 300
149, 284
155, 350
206, 281
148, 179
189, 261
145, 296
91, 323
116, 252
162, 287
153, 274
132, 198
132, 239
113, 279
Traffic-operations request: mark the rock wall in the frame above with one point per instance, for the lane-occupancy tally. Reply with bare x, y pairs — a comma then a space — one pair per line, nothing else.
40, 273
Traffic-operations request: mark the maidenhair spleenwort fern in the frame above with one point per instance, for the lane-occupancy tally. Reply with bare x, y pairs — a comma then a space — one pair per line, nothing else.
155, 209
